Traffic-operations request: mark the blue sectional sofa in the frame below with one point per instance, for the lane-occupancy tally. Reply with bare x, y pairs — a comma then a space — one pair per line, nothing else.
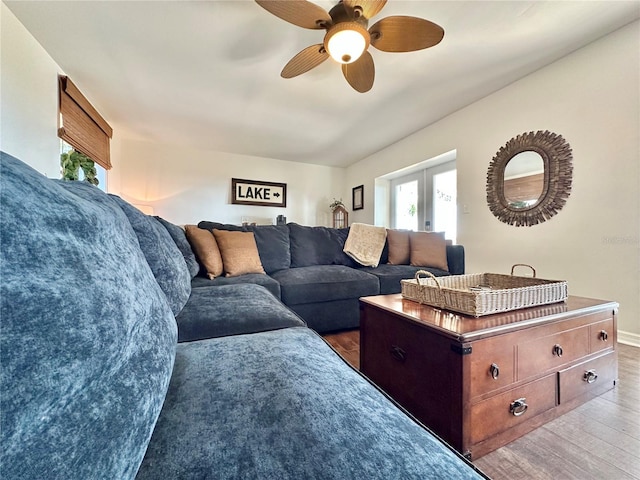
308, 270
96, 386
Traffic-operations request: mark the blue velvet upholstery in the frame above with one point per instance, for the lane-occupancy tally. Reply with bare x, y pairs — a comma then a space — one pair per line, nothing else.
272, 242
180, 238
221, 226
282, 405
325, 317
324, 283
88, 338
390, 275
251, 278
455, 259
162, 254
231, 310
318, 246
273, 246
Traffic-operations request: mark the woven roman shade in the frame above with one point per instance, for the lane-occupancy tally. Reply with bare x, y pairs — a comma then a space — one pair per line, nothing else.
82, 126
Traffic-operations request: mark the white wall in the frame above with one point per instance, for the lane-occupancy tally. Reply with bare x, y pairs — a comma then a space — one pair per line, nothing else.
186, 185
592, 98
29, 98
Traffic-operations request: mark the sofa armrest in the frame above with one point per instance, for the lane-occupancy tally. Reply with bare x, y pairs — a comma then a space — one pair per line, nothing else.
455, 259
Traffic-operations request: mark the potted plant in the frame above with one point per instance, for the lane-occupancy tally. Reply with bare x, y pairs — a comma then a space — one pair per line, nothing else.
71, 164
335, 204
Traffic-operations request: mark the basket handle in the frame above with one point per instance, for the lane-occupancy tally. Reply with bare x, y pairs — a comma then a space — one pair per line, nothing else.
428, 274
523, 265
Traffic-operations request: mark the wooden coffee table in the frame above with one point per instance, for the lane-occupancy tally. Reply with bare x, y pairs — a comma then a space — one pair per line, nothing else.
480, 383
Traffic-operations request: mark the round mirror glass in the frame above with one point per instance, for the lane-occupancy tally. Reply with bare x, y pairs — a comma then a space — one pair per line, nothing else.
524, 179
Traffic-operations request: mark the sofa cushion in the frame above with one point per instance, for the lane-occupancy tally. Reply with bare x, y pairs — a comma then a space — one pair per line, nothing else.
162, 254
273, 246
205, 246
399, 247
283, 405
221, 226
318, 246
239, 252
390, 275
179, 237
231, 310
455, 259
252, 278
272, 241
324, 283
325, 317
429, 249
88, 337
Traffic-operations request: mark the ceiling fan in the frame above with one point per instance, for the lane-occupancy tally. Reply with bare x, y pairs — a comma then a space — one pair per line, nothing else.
347, 38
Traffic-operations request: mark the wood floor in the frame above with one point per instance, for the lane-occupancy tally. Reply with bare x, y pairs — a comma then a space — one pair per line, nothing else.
598, 440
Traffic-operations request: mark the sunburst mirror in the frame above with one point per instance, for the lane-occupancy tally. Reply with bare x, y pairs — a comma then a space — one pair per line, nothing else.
529, 178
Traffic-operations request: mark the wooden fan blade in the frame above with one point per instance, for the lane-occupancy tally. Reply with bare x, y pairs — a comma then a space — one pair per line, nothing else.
405, 34
361, 73
304, 61
370, 8
299, 12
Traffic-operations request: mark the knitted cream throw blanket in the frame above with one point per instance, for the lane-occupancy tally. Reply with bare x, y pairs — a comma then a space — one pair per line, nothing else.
365, 243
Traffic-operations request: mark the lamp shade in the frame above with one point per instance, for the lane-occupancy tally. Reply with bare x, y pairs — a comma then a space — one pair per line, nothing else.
346, 41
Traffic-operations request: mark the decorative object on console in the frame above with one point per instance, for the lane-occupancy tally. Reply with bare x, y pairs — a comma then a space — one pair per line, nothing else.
365, 243
253, 192
357, 197
347, 38
340, 217
530, 196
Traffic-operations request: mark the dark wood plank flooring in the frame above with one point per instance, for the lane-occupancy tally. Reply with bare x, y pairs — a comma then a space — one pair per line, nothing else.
598, 440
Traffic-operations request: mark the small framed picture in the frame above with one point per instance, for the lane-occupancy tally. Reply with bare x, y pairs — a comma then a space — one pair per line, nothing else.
358, 197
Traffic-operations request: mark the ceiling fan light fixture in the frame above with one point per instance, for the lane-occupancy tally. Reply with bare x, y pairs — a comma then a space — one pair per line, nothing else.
346, 42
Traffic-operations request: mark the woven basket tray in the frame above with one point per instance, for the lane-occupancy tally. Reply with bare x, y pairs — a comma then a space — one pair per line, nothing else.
483, 293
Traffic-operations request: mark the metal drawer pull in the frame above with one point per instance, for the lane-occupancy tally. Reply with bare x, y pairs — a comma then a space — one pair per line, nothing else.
590, 376
518, 407
557, 350
398, 353
604, 335
494, 370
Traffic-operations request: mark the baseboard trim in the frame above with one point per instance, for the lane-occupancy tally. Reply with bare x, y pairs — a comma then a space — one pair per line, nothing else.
629, 338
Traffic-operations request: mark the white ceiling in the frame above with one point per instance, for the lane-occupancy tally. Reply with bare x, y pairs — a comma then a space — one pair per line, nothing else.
207, 73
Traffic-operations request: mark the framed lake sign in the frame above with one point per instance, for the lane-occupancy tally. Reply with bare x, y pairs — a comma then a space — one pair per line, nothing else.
253, 192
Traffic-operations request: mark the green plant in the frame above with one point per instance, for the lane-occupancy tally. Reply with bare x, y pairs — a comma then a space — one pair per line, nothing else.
71, 164
335, 204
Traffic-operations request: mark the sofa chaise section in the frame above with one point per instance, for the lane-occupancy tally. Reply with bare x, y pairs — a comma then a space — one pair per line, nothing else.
282, 405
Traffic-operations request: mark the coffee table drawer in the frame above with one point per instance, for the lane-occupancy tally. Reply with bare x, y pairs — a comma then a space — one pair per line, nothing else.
511, 408
549, 352
491, 365
601, 335
590, 378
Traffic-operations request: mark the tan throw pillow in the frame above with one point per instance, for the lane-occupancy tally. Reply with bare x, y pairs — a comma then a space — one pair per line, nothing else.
239, 252
206, 249
399, 247
429, 249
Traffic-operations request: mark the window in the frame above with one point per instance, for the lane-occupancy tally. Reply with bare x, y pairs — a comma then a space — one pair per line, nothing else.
426, 200
406, 200
82, 126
